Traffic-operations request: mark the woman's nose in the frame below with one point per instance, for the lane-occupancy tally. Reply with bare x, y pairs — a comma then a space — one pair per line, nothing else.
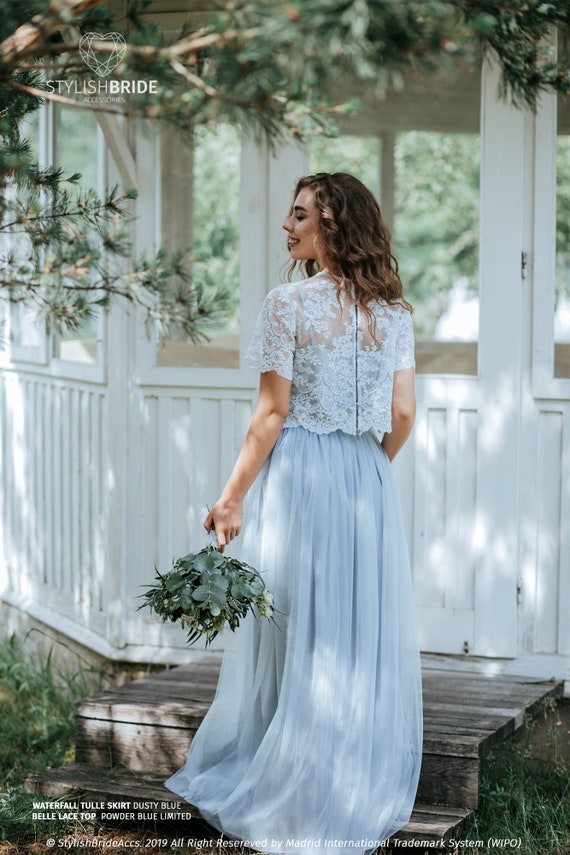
287, 224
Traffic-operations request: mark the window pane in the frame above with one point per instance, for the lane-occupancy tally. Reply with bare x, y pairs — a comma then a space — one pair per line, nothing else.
77, 150
30, 130
436, 239
76, 144
420, 152
562, 292
360, 156
212, 215
26, 329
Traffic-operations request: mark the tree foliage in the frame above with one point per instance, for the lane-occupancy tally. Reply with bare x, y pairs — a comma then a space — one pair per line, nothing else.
272, 66
66, 251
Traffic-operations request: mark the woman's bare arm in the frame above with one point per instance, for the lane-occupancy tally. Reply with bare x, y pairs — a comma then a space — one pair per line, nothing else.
403, 412
262, 433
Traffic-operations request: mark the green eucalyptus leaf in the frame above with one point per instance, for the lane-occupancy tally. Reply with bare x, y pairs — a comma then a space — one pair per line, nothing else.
218, 581
202, 593
202, 562
174, 581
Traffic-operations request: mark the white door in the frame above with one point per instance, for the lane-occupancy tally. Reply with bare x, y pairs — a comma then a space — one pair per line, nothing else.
465, 453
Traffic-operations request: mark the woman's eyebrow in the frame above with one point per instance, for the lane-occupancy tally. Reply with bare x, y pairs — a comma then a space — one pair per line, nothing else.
300, 208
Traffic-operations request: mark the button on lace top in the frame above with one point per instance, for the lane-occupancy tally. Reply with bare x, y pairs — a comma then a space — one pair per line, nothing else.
341, 364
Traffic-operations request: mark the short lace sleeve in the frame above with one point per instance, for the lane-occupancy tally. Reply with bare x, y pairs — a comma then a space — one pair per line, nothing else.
273, 343
405, 343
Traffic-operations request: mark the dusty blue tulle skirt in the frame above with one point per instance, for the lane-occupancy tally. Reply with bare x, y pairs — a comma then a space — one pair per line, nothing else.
313, 741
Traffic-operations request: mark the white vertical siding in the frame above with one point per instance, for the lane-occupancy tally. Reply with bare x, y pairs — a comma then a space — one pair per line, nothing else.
187, 442
51, 484
544, 584
429, 553
190, 444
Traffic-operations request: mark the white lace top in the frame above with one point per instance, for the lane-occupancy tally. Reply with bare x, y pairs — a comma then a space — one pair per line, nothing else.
341, 366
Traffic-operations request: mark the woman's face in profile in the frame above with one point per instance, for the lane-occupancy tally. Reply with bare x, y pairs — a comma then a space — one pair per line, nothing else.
302, 227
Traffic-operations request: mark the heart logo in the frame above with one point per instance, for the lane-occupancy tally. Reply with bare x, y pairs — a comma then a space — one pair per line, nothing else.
106, 63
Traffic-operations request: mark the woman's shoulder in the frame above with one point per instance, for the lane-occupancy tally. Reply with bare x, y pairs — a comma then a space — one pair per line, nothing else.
280, 294
300, 289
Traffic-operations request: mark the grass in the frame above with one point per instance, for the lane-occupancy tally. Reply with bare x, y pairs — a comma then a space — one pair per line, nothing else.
36, 732
523, 802
36, 727
36, 711
529, 808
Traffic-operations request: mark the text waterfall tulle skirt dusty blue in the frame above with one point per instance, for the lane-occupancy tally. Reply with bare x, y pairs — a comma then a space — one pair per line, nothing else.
314, 739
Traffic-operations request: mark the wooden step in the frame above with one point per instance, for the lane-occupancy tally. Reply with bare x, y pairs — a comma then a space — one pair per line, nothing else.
152, 721
435, 825
466, 714
130, 739
91, 785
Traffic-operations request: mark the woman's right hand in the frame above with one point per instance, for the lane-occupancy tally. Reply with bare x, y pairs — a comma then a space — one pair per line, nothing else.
226, 518
264, 428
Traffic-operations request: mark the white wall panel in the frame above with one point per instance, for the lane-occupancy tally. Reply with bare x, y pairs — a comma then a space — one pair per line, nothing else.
51, 480
430, 557
186, 444
548, 531
461, 510
444, 555
56, 474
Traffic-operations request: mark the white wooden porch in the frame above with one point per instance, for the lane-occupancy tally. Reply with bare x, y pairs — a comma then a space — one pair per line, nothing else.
107, 466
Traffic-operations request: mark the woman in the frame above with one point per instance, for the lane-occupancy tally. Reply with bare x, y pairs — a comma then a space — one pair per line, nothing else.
313, 740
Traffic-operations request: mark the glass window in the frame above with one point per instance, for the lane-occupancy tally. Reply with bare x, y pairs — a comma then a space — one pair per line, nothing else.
424, 162
436, 239
30, 130
209, 214
76, 149
562, 289
77, 144
26, 331
360, 156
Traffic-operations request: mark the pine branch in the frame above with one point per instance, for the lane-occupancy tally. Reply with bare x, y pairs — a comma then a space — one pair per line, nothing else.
257, 62
270, 65
31, 38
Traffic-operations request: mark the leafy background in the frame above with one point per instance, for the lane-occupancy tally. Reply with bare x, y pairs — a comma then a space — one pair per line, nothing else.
436, 228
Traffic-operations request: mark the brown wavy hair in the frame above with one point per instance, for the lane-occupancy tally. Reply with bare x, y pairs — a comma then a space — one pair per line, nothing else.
353, 238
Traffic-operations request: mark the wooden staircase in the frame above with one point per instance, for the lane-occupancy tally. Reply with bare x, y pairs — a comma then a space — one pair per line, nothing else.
130, 739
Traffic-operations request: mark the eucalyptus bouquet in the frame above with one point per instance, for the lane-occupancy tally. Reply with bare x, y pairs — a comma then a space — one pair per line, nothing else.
206, 590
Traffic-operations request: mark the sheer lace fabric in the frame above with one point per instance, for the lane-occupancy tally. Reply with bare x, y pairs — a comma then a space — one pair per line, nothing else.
340, 362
